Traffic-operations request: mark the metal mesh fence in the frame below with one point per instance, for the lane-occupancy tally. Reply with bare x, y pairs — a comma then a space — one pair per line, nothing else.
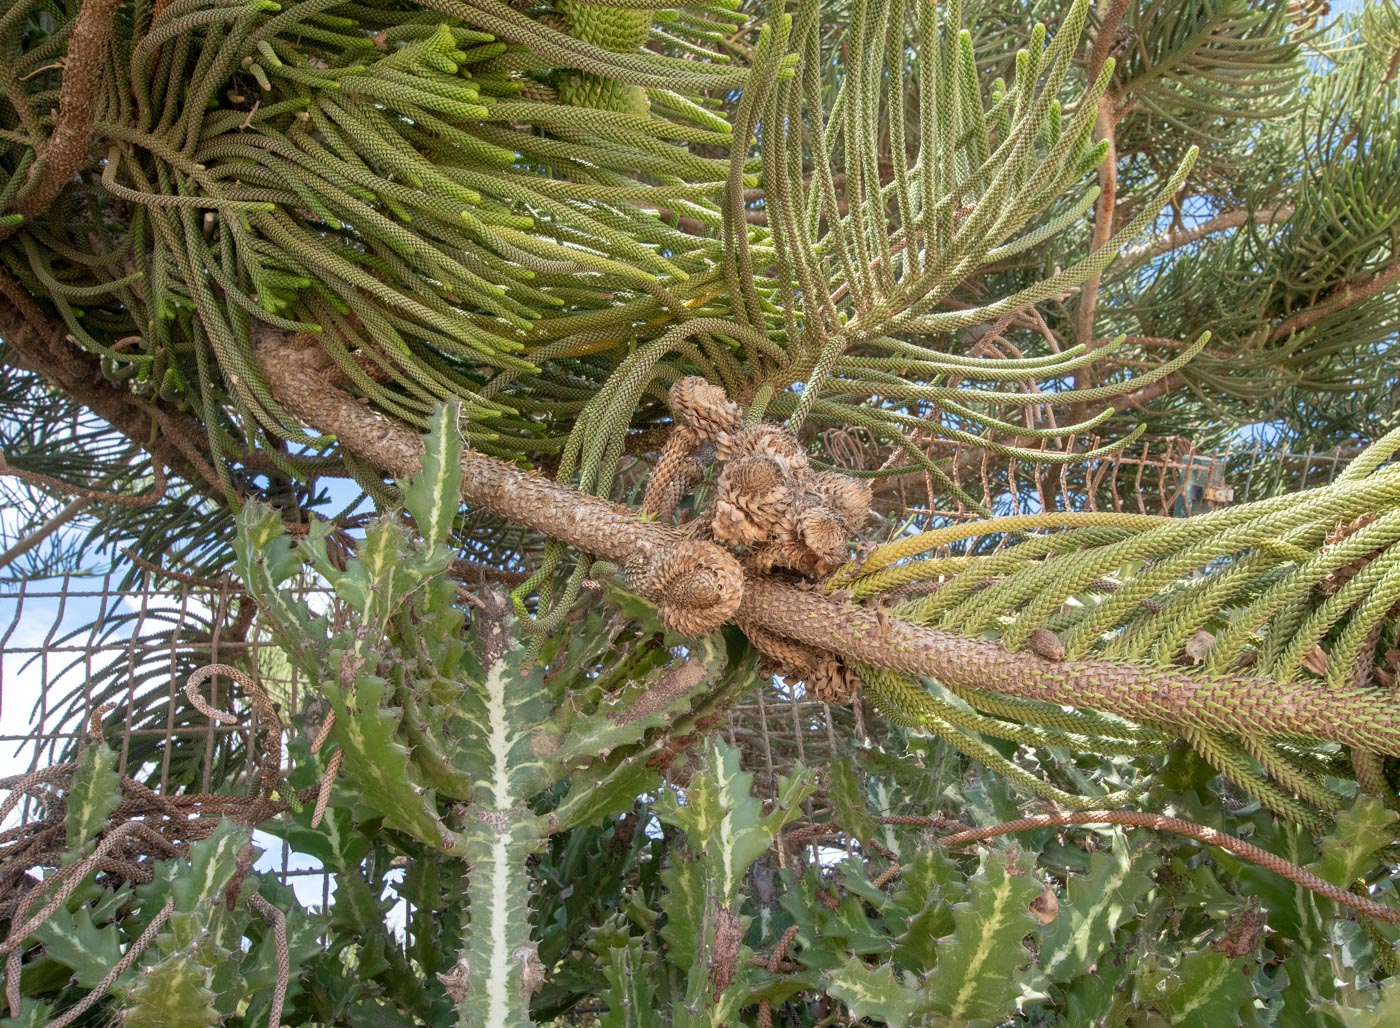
1170, 476
77, 647
72, 647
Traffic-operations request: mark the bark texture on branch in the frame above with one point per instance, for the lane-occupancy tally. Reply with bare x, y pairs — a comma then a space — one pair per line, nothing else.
1237, 704
41, 344
697, 585
1105, 128
303, 382
65, 151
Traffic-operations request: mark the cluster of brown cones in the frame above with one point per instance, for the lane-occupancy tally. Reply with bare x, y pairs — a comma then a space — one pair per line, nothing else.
769, 500
770, 505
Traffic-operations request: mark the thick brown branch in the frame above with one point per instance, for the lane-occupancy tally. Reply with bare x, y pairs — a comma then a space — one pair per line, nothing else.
301, 377
41, 344
1236, 704
1339, 299
1178, 238
67, 148
684, 577
1105, 128
1364, 718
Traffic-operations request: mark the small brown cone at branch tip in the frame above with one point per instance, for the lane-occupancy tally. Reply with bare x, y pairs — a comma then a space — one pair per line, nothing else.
1046, 643
675, 473
704, 408
768, 500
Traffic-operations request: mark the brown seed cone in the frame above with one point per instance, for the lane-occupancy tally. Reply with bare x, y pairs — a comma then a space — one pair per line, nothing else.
700, 587
823, 533
641, 573
764, 559
704, 407
1046, 643
758, 477
732, 525
810, 540
675, 473
848, 497
781, 656
786, 549
768, 440
833, 682
752, 496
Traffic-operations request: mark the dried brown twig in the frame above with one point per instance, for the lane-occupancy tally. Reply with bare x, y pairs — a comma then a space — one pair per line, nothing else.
264, 711
66, 149
1142, 819
149, 498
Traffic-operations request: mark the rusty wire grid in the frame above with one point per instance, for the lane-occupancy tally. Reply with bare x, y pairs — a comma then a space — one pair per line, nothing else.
1167, 475
75, 646
79, 646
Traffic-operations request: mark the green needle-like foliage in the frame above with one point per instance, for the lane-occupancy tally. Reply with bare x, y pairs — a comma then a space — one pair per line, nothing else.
795, 250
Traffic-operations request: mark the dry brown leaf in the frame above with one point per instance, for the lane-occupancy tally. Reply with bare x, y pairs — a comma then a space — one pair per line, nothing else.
1316, 660
1046, 906
1198, 648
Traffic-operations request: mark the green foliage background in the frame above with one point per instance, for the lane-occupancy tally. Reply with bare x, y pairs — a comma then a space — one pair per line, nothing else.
550, 869
542, 214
